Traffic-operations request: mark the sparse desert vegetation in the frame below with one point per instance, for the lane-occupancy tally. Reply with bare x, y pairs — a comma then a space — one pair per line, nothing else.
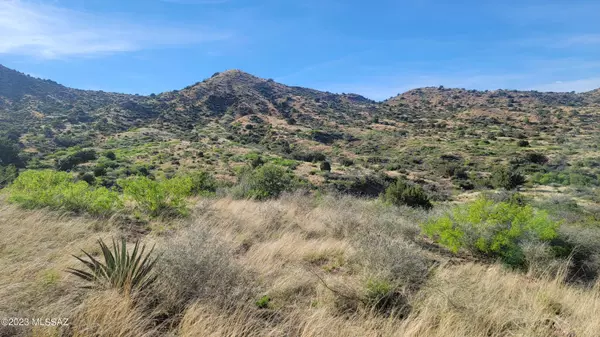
239, 206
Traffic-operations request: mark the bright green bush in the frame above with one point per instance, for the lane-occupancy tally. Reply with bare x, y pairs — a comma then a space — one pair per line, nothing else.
403, 193
157, 198
565, 178
57, 190
495, 229
559, 178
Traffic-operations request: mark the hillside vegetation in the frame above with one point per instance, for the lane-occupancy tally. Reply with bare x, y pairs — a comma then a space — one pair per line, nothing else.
239, 206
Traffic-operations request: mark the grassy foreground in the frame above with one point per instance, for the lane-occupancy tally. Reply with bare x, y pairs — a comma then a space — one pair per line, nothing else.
294, 266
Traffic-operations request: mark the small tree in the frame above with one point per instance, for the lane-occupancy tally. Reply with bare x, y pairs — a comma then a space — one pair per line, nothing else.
9, 153
404, 193
267, 181
7, 175
325, 166
506, 178
110, 155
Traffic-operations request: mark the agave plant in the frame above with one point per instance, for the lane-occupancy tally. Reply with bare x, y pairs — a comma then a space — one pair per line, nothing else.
121, 269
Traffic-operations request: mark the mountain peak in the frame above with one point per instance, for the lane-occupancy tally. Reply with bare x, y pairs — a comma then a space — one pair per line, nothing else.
235, 74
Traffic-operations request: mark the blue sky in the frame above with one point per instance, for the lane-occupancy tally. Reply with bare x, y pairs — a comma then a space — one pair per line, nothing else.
376, 48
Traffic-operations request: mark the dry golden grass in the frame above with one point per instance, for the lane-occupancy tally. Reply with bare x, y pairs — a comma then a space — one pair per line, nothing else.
111, 314
306, 255
35, 248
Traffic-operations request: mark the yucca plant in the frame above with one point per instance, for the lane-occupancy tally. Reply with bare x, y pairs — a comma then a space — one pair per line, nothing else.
121, 270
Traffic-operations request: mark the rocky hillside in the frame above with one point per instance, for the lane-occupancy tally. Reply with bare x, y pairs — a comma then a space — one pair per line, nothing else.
237, 94
229, 119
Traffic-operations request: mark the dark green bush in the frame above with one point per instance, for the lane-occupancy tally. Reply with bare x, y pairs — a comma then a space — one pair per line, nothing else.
404, 193
325, 166
523, 143
536, 158
504, 177
70, 161
202, 183
87, 177
365, 185
256, 161
99, 171
7, 175
346, 162
9, 153
309, 156
264, 182
110, 155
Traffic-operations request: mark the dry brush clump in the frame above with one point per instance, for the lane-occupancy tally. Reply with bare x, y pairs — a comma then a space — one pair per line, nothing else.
195, 266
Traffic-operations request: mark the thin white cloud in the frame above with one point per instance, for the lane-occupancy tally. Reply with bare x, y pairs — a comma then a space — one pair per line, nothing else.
579, 85
46, 31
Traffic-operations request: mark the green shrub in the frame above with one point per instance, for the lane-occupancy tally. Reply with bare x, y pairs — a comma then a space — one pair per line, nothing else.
256, 161
57, 190
371, 185
565, 178
346, 162
70, 161
325, 166
203, 183
494, 229
157, 198
121, 269
536, 158
110, 155
506, 178
87, 177
550, 178
99, 171
7, 175
404, 193
263, 302
9, 153
308, 156
267, 181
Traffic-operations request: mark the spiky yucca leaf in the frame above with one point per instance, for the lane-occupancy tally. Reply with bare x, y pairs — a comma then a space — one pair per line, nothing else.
121, 269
